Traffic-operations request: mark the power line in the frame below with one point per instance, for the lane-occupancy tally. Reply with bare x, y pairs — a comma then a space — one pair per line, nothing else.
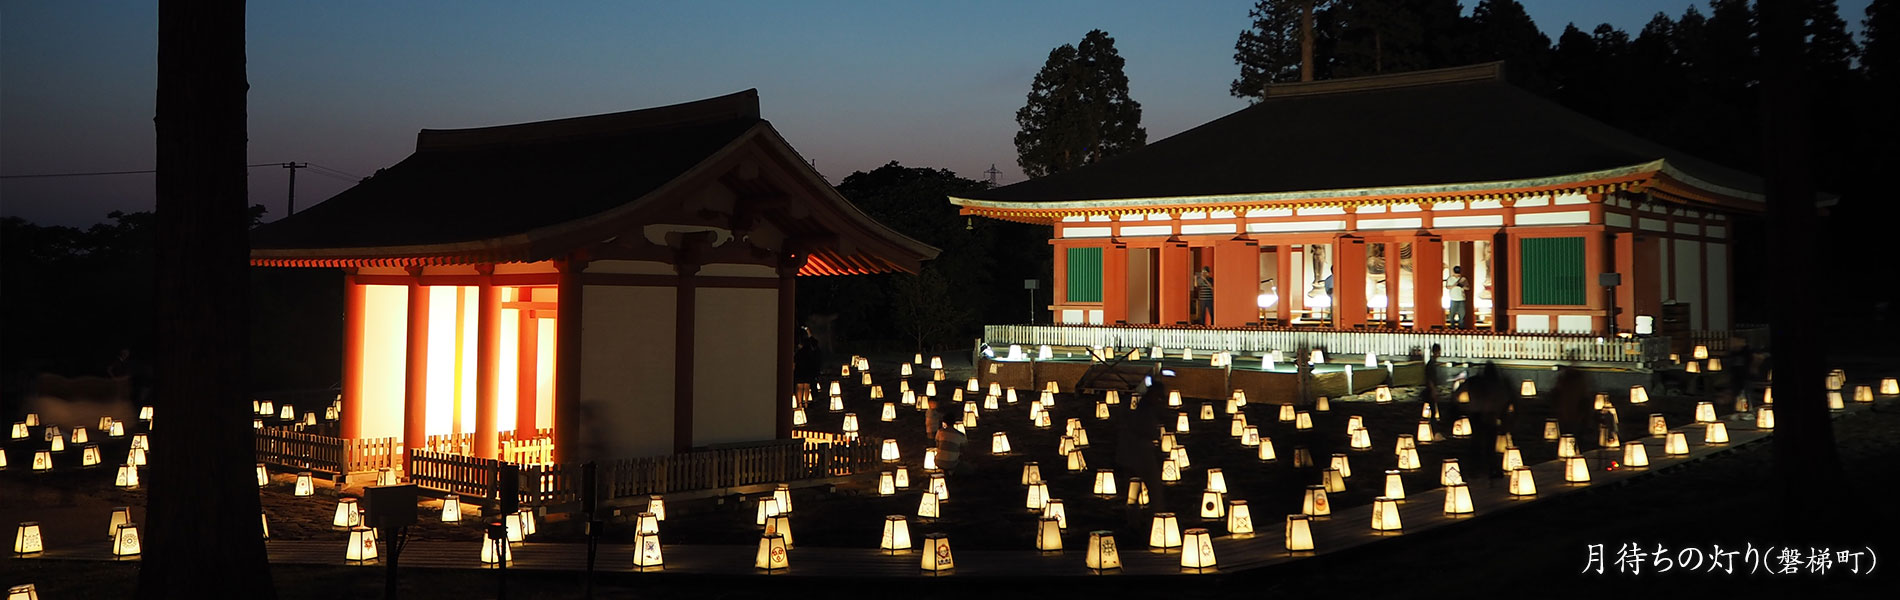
144, 171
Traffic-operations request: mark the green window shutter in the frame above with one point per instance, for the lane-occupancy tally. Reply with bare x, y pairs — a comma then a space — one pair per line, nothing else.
1085, 275
1552, 271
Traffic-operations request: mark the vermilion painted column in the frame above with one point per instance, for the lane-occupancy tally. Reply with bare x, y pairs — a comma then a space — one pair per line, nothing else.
355, 302
567, 359
1428, 283
1114, 283
1623, 255
1059, 286
415, 400
1174, 284
1393, 275
1236, 283
487, 363
1349, 282
1504, 295
1593, 296
527, 369
1284, 284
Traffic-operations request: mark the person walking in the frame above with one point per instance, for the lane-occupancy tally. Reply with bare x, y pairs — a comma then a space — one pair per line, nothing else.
1204, 294
1457, 287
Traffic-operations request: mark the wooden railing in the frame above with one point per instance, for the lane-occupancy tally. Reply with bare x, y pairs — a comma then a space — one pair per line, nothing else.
291, 449
1455, 346
714, 468
535, 447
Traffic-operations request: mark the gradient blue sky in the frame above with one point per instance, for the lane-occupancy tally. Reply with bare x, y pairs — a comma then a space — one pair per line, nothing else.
853, 85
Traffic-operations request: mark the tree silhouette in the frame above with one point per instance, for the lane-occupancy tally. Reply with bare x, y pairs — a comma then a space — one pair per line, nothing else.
1079, 111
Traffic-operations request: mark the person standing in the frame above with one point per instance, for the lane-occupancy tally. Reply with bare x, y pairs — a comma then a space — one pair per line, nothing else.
1204, 294
1457, 288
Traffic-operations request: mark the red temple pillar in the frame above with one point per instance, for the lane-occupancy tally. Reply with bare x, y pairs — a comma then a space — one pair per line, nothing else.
1504, 296
1114, 283
1174, 296
1236, 282
1595, 261
1394, 317
415, 400
355, 302
1428, 284
487, 363
527, 368
567, 358
1349, 282
1284, 284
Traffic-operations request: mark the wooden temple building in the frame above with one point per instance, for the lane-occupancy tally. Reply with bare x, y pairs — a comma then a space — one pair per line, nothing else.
623, 283
1340, 207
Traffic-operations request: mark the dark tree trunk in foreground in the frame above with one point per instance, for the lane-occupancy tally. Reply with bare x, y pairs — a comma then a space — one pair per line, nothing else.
1805, 457
203, 539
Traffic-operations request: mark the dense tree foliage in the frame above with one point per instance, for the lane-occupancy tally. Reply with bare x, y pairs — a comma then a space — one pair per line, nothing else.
1079, 111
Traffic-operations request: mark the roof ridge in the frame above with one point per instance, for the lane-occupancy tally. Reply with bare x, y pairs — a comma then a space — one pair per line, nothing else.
1490, 71
743, 105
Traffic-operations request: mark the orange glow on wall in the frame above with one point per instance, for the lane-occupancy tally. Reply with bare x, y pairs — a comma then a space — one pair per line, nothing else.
508, 379
544, 371
385, 326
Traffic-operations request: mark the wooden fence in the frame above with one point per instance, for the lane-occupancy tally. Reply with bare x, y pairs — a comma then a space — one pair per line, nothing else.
291, 449
714, 468
1464, 345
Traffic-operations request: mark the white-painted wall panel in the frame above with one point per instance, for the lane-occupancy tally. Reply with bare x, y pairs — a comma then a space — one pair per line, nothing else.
1688, 269
735, 365
626, 395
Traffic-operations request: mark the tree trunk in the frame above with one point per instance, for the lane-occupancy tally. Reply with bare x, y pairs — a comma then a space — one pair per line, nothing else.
1306, 40
1804, 436
203, 538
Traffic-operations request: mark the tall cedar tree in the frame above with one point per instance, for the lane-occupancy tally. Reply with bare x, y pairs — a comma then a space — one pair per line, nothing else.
1269, 52
203, 538
1502, 30
1079, 112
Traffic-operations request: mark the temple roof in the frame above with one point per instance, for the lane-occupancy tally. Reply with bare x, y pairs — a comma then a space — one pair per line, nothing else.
1442, 133
533, 191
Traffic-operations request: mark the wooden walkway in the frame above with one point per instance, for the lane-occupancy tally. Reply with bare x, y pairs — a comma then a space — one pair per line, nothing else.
1347, 528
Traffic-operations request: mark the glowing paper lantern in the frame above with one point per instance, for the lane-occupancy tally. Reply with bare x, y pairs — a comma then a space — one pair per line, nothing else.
1863, 393
1198, 550
1425, 410
1382, 395
1102, 555
850, 423
1567, 446
1137, 492
889, 413
1333, 481
1659, 425
1638, 395
27, 540
798, 416
1576, 470
1174, 398
1314, 503
346, 515
305, 487
1037, 496
771, 556
1716, 433
836, 404
1322, 405
1053, 509
903, 483
1461, 428
927, 506
1213, 504
1287, 413
930, 459
1164, 532
1408, 459
1765, 418
768, 507
889, 452
1521, 482
1889, 386
1676, 444
19, 431
1692, 367
886, 483
646, 551
1512, 458
1527, 389
1104, 483
1424, 432
1250, 436
452, 509
1833, 403
1180, 457
1299, 533
1385, 515
1048, 535
835, 389
1031, 473
1457, 499
1635, 456
999, 443
936, 363
59, 443
135, 457
386, 476
1302, 458
1342, 464
656, 504
1216, 480
896, 537
1704, 412
1303, 420
88, 456
80, 437
1362, 440
937, 556
24, 591
939, 487
128, 476
1448, 472
490, 555
362, 544
125, 540
1394, 485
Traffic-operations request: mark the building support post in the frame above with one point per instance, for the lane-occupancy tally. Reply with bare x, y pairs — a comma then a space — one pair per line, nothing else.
355, 303
415, 400
1428, 282
487, 362
789, 264
1114, 283
1349, 282
1236, 282
1174, 296
686, 262
567, 358
1283, 285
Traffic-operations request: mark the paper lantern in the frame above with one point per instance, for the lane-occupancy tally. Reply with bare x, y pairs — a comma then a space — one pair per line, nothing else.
42, 461
1715, 364
128, 476
889, 452
1833, 403
1512, 458
19, 430
1457, 499
1704, 412
1048, 535
386, 476
903, 483
1314, 503
1700, 352
937, 556
1425, 410
1250, 436
1101, 410
1448, 472
1424, 432
940, 487
1408, 459
1765, 418
1464, 397
783, 494
1164, 532
1104, 483
836, 404
1566, 446
517, 532
1302, 458
1676, 444
1137, 492
850, 423
1889, 386
59, 444
646, 551
973, 386
1638, 395
88, 456
1287, 413
1527, 389
1180, 457
1167, 440
1333, 481
27, 540
835, 389
362, 544
656, 504
1863, 393
263, 520
1213, 504
1521, 482
886, 483
1102, 555
1064, 445
490, 555
80, 437
1657, 424
1385, 515
1382, 395
1207, 411
1635, 456
24, 591
1461, 428
1299, 533
265, 408
1081, 437
1174, 398
1321, 405
1197, 550
1576, 470
125, 540
452, 509
771, 556
1303, 420
877, 391
3, 460
927, 506
1187, 354
1362, 440
1036, 496
1042, 420
888, 414
346, 515
1054, 509
930, 459
896, 536
768, 505
1716, 433
305, 487
1394, 485
1216, 480
798, 416
1181, 423
1031, 473
1342, 464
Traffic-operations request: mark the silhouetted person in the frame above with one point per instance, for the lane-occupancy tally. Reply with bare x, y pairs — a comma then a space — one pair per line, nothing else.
1490, 403
1572, 400
1204, 294
1457, 289
949, 446
1137, 437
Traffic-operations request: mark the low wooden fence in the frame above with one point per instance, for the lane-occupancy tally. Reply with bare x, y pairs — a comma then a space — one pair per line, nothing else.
295, 450
714, 468
1465, 345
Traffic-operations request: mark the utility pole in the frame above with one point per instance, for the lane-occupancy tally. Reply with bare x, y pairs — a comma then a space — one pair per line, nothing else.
291, 209
992, 173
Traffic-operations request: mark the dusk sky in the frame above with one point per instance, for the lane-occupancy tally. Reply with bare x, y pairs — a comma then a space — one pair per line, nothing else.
345, 85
